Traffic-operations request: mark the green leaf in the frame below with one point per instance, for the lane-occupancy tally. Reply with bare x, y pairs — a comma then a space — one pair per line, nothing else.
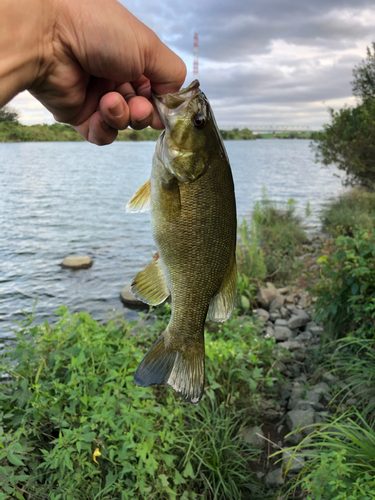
178, 479
163, 478
188, 471
245, 302
13, 459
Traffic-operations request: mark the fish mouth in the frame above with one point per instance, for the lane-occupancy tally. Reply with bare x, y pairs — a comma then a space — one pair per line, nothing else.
171, 104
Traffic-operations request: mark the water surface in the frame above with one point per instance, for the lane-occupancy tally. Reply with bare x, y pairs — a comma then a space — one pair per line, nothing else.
60, 199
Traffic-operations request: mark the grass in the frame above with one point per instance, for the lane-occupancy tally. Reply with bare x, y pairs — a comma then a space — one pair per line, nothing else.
70, 393
268, 246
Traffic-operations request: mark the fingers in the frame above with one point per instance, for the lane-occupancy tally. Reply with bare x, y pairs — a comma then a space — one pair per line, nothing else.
96, 130
118, 110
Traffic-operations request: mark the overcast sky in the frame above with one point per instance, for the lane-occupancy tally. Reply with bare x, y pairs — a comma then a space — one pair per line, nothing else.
271, 62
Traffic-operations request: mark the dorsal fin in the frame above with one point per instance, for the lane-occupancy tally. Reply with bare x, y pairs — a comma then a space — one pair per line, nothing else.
140, 202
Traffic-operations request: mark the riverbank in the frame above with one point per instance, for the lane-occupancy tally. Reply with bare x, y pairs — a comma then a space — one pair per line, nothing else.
13, 131
76, 426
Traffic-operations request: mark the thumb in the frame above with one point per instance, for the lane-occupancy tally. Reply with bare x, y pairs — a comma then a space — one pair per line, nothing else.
165, 69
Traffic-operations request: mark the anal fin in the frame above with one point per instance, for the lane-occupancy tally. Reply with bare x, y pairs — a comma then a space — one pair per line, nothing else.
140, 202
171, 363
223, 302
149, 285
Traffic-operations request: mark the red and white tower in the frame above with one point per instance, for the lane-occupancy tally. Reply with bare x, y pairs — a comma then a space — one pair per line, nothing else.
195, 52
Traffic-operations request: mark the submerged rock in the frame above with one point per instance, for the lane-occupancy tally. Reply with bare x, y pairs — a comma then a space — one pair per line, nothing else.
77, 262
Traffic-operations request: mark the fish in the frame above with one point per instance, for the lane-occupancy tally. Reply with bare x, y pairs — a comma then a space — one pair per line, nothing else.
192, 203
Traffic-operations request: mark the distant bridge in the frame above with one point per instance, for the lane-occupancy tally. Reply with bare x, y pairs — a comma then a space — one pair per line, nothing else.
270, 129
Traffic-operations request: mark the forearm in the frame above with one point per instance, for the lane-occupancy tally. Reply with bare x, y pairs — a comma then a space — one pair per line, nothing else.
23, 32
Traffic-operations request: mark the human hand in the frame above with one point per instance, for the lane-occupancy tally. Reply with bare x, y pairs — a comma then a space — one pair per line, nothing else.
97, 65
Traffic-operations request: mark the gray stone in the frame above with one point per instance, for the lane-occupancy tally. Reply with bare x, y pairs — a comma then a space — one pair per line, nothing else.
284, 312
296, 395
253, 436
292, 345
269, 332
275, 478
282, 333
290, 300
281, 322
275, 315
262, 314
298, 320
304, 337
292, 308
316, 330
330, 379
283, 291
266, 295
322, 389
77, 262
293, 462
310, 324
305, 300
129, 300
300, 419
321, 417
277, 302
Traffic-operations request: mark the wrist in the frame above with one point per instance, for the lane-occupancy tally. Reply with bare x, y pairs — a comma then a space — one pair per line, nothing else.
23, 44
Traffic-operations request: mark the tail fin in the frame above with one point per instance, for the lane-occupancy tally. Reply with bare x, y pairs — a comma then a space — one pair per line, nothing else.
180, 366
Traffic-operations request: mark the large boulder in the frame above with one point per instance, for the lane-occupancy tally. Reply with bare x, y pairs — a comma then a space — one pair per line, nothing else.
266, 295
77, 262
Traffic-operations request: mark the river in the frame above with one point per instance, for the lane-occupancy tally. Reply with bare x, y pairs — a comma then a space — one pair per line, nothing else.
60, 199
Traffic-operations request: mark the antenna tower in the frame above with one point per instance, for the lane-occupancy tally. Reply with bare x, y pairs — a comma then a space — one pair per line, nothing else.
195, 52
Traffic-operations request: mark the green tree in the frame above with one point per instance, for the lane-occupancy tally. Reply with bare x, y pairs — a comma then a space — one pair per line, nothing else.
8, 114
363, 84
349, 140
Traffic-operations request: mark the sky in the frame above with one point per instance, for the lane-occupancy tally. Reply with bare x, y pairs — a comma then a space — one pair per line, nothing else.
261, 62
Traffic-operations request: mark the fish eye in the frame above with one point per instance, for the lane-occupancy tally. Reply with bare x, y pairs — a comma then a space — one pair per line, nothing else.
199, 121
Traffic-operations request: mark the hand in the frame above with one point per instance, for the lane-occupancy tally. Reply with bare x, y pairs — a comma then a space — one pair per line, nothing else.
97, 65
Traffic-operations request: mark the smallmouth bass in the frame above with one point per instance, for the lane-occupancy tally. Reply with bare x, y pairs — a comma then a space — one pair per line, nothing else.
193, 222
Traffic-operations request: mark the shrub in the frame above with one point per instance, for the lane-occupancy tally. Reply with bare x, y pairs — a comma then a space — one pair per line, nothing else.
353, 208
340, 460
74, 426
346, 292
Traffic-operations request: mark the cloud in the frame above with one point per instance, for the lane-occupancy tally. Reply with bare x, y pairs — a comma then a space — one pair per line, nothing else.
266, 60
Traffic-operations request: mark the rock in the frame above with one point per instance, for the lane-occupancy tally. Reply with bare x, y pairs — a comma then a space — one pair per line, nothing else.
129, 300
305, 300
293, 345
281, 322
322, 389
77, 262
262, 314
293, 462
270, 332
316, 330
290, 299
300, 418
282, 333
275, 315
330, 379
284, 312
283, 291
253, 436
321, 417
292, 308
296, 395
275, 478
265, 296
277, 302
304, 337
285, 396
299, 319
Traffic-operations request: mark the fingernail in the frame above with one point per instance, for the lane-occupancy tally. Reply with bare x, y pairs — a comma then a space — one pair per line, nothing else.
104, 125
117, 109
144, 120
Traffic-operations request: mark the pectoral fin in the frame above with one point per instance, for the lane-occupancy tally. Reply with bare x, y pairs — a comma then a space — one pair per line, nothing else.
140, 202
223, 302
149, 285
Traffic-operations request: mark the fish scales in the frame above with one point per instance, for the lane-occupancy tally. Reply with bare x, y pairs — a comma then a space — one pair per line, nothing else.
193, 221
